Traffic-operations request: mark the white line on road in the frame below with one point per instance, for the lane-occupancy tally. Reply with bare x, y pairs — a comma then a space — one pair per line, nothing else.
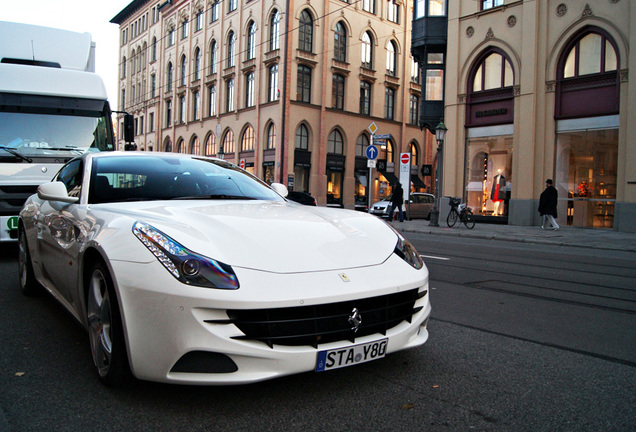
435, 257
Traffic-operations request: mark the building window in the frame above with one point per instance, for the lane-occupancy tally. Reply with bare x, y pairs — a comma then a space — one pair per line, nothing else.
273, 83
232, 5
249, 89
414, 105
153, 85
170, 76
123, 67
151, 122
389, 103
185, 28
212, 101
393, 11
251, 41
335, 143
271, 137
182, 109
247, 142
274, 31
489, 4
168, 113
303, 88
153, 52
122, 100
305, 31
367, 50
213, 55
592, 54
368, 6
171, 36
181, 147
196, 110
340, 42
183, 71
361, 145
391, 59
435, 78
199, 20
197, 64
229, 87
215, 11
494, 72
228, 145
168, 146
195, 146
231, 49
365, 98
337, 91
415, 72
210, 145
302, 138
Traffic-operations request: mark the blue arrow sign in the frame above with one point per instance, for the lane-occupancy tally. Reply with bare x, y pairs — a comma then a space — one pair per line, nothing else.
372, 152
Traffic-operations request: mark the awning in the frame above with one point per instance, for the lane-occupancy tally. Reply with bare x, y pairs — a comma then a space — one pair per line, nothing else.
390, 177
417, 182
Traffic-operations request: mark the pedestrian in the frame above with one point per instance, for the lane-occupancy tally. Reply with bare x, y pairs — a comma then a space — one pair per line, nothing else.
397, 199
548, 205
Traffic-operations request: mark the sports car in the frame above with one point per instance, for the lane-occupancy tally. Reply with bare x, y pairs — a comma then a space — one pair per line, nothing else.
187, 269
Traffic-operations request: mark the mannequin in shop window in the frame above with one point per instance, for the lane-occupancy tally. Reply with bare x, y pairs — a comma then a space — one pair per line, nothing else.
498, 193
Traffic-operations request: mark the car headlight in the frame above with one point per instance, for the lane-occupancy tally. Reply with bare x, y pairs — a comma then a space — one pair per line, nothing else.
405, 250
186, 266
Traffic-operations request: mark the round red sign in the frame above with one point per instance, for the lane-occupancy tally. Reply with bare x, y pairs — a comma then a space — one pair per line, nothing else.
242, 163
405, 158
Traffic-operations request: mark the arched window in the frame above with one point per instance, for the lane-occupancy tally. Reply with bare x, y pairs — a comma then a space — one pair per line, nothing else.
210, 144
335, 143
181, 147
183, 72
591, 54
228, 145
195, 145
302, 137
340, 42
231, 49
170, 75
415, 154
247, 141
305, 31
153, 53
274, 31
361, 145
168, 145
271, 137
273, 83
391, 58
213, 57
197, 64
251, 41
493, 72
367, 50
123, 67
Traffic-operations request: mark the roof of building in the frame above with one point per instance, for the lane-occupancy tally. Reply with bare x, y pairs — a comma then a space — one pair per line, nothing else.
126, 12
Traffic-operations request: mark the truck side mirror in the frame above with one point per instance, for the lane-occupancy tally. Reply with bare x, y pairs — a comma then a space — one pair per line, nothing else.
129, 128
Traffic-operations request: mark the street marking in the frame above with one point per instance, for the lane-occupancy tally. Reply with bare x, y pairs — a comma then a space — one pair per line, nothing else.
435, 257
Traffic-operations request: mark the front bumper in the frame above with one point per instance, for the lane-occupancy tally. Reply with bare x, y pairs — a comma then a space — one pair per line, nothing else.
167, 322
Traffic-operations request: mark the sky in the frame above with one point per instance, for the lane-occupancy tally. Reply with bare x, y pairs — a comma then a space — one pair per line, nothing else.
82, 16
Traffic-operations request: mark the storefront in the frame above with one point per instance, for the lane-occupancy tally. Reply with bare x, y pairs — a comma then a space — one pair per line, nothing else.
302, 168
335, 179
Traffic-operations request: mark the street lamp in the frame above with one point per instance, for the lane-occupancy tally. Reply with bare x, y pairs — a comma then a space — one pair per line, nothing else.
440, 134
220, 154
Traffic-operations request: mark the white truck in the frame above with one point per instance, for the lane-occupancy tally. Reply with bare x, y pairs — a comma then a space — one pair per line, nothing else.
52, 107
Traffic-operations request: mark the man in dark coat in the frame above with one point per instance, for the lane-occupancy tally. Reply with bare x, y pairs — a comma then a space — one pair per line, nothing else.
397, 199
548, 205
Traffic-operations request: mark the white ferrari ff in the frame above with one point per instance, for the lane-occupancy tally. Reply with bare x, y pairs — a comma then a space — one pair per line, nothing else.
187, 269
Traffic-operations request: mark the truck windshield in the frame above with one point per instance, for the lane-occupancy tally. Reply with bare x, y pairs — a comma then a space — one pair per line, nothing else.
42, 131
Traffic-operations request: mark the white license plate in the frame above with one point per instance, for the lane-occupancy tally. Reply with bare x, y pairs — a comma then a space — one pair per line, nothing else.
348, 356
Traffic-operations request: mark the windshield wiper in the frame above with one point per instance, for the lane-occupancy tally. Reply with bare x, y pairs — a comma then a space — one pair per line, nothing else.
215, 197
16, 154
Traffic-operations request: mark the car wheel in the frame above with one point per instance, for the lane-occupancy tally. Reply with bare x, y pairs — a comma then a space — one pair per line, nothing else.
28, 285
105, 328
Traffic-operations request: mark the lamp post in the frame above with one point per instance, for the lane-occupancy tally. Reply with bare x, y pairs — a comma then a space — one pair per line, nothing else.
440, 134
221, 154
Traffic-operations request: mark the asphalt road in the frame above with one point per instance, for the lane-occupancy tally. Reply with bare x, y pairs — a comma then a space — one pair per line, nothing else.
522, 339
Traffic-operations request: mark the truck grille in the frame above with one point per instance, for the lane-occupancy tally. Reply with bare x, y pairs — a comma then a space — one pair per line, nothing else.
13, 197
313, 325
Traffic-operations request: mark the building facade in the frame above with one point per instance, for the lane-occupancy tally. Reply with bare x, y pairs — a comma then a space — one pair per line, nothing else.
537, 90
287, 90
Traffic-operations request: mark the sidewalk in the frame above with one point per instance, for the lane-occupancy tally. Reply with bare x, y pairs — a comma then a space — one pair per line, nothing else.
590, 238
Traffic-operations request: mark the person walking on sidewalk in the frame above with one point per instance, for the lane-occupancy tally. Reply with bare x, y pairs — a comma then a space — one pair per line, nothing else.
548, 205
397, 199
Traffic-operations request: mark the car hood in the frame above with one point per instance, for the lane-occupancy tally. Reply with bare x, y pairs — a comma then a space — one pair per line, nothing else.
270, 236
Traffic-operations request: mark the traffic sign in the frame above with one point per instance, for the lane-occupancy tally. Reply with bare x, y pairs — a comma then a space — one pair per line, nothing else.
371, 152
405, 158
242, 163
383, 136
371, 163
373, 127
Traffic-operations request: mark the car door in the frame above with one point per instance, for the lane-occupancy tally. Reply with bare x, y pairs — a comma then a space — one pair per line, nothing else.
417, 206
57, 233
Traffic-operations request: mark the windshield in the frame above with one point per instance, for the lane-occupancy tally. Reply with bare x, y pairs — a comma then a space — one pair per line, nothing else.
162, 177
49, 131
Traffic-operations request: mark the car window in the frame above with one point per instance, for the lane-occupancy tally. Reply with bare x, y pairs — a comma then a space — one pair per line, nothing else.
71, 175
135, 178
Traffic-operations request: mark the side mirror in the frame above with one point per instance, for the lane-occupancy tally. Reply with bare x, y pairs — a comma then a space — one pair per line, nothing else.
129, 128
280, 189
55, 191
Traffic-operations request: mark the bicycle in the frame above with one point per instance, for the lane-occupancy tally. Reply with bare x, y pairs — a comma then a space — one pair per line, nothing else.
460, 212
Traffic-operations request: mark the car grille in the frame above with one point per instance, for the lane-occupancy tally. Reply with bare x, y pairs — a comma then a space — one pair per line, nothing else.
313, 325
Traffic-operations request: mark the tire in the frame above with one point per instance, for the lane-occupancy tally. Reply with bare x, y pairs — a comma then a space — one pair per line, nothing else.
469, 219
28, 285
452, 217
105, 329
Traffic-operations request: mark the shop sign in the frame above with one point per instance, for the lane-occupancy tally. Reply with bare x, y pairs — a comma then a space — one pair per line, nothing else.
491, 112
336, 163
427, 170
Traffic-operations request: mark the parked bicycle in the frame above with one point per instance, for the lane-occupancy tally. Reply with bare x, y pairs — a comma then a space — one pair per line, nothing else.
460, 212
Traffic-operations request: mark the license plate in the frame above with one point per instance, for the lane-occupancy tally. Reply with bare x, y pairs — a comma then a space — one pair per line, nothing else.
349, 356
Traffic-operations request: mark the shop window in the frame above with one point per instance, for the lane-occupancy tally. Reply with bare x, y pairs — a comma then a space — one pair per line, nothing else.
210, 144
271, 137
228, 145
195, 146
302, 137
247, 142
